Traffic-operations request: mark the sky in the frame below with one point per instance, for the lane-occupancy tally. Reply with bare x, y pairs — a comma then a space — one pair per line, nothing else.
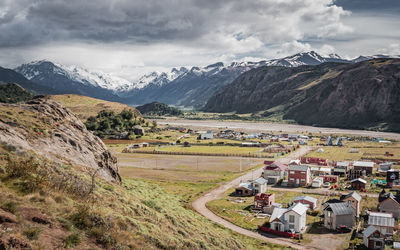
129, 38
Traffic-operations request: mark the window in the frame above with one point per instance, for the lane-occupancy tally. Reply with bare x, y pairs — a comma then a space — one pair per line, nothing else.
292, 179
303, 172
303, 180
329, 214
291, 226
291, 218
291, 172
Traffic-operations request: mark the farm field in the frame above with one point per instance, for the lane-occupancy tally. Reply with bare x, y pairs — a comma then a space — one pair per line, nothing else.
366, 150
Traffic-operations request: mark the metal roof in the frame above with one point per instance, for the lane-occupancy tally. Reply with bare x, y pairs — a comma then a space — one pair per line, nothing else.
353, 194
368, 164
298, 168
307, 198
369, 231
341, 208
298, 208
278, 214
360, 180
381, 219
260, 181
342, 164
247, 185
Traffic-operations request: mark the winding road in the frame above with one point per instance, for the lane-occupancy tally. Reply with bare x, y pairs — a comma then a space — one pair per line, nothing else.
200, 204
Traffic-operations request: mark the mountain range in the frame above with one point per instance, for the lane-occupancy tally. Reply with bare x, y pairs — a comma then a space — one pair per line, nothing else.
187, 87
362, 95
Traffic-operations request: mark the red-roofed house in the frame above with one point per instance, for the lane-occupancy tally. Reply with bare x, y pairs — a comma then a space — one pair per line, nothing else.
274, 172
263, 200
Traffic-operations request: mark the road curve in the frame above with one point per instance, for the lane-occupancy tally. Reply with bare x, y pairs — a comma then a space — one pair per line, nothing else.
200, 204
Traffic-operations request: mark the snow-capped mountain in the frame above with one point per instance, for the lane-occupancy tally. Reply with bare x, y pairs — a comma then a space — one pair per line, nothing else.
72, 80
179, 86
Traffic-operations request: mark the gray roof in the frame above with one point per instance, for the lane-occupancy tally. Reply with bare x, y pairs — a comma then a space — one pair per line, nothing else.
369, 230
260, 181
368, 164
353, 194
298, 208
381, 219
247, 185
278, 214
298, 168
307, 198
342, 208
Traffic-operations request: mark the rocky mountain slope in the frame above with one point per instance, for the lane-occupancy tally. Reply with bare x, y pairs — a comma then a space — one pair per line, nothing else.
69, 80
159, 109
47, 128
360, 95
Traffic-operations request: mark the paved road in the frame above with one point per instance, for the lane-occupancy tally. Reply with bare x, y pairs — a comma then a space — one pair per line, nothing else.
200, 205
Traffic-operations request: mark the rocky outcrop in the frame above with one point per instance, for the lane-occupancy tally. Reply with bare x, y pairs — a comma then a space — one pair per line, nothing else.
52, 131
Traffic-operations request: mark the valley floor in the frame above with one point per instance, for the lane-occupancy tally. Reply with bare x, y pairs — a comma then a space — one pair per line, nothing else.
274, 127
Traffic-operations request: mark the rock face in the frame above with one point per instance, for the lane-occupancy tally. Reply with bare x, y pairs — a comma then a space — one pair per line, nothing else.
47, 128
361, 95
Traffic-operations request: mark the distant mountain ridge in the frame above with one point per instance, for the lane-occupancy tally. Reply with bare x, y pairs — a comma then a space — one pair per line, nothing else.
361, 95
188, 87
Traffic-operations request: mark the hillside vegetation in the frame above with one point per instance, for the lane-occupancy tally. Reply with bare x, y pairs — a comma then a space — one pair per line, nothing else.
84, 106
158, 109
12, 93
63, 199
363, 95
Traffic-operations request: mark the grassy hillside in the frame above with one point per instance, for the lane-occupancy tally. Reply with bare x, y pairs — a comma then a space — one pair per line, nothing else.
84, 106
11, 93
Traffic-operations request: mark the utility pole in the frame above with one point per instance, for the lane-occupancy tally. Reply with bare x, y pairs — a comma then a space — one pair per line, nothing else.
240, 164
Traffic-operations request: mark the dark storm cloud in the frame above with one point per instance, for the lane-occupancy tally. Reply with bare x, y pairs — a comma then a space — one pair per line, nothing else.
386, 6
24, 22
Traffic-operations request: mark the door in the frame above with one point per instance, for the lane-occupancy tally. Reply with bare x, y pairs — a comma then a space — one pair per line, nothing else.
297, 181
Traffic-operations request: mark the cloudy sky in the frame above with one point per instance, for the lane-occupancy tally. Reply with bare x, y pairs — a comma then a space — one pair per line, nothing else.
130, 37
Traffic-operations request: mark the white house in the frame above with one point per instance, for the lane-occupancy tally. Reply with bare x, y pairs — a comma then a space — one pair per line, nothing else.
292, 218
317, 182
259, 185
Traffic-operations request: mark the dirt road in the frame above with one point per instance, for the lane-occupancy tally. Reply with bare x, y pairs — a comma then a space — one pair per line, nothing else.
200, 205
274, 127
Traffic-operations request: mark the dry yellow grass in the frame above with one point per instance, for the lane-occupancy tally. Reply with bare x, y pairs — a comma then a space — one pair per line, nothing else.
84, 106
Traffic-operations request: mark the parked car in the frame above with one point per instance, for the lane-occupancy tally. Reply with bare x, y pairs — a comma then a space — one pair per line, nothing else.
326, 185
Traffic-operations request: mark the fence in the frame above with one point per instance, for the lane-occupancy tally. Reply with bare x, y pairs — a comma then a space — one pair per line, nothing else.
198, 153
279, 233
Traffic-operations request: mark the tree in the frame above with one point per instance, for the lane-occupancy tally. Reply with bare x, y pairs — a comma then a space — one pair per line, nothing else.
154, 124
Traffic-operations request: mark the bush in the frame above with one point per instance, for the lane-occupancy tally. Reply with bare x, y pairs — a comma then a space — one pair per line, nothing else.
32, 233
81, 218
72, 240
102, 237
10, 207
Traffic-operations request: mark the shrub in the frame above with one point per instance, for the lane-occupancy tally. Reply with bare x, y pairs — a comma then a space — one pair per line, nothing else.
72, 240
102, 237
81, 218
10, 207
32, 233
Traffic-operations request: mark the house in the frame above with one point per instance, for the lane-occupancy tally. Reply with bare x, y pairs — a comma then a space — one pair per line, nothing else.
308, 201
320, 171
250, 188
274, 172
338, 214
390, 205
366, 166
244, 189
358, 184
299, 175
317, 182
384, 168
392, 178
207, 135
373, 238
294, 162
287, 219
341, 168
384, 222
259, 185
262, 200
355, 200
